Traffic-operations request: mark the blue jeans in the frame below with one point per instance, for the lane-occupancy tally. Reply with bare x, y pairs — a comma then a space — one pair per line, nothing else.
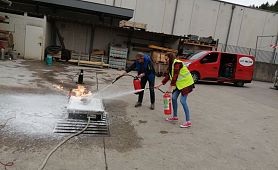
183, 99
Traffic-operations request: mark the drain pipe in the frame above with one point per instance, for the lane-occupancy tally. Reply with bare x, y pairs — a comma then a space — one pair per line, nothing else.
275, 49
175, 15
229, 28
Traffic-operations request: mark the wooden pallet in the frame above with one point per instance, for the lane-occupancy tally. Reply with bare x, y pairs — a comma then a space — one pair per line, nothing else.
89, 63
162, 49
132, 25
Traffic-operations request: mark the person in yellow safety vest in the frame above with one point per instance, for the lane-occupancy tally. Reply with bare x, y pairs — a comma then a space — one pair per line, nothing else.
181, 82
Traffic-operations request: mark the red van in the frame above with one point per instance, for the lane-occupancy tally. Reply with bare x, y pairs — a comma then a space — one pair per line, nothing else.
221, 67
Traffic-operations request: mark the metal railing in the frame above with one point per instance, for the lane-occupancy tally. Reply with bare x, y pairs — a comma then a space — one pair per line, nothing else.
261, 55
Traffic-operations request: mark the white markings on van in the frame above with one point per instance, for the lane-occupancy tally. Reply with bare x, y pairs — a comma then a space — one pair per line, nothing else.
246, 61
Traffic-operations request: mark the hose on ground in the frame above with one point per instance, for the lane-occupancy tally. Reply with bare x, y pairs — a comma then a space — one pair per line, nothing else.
61, 143
7, 164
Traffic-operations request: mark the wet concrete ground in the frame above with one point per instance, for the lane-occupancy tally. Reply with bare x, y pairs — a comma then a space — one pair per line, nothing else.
233, 128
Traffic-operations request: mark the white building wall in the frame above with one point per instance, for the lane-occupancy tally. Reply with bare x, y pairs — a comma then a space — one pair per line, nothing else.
252, 25
17, 25
235, 26
203, 18
183, 17
222, 23
168, 16
130, 4
151, 13
270, 26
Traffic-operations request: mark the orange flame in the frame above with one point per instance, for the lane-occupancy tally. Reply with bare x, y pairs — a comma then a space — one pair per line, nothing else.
80, 91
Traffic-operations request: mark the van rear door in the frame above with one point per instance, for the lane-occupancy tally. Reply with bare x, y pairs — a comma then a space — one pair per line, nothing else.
244, 68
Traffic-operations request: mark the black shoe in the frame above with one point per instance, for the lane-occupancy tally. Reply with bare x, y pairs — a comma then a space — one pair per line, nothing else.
152, 107
138, 104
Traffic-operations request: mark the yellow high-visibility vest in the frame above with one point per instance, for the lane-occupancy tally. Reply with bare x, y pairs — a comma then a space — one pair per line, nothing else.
185, 78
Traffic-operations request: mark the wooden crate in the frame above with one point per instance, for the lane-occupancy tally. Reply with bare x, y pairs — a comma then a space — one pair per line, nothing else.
159, 57
134, 25
98, 52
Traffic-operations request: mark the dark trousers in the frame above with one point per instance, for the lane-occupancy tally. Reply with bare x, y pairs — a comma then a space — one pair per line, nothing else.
151, 86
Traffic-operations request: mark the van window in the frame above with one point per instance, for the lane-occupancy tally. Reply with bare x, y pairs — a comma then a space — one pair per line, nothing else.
197, 55
210, 58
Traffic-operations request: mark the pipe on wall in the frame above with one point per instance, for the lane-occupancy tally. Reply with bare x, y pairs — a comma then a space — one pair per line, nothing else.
275, 49
175, 15
229, 28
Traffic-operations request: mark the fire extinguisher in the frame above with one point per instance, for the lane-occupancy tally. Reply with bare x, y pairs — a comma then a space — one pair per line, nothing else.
80, 77
167, 104
136, 84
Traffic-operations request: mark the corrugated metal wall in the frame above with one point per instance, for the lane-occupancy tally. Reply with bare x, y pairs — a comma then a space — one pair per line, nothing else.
76, 36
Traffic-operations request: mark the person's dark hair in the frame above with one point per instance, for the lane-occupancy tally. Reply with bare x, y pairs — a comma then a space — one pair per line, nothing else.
171, 58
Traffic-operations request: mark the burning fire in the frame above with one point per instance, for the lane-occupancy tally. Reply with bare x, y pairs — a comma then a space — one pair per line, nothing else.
57, 86
80, 91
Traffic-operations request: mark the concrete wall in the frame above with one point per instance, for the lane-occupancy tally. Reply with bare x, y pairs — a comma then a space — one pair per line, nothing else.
204, 18
264, 71
105, 36
17, 25
48, 34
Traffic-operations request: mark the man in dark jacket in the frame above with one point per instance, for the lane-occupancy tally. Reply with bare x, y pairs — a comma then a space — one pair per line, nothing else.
144, 66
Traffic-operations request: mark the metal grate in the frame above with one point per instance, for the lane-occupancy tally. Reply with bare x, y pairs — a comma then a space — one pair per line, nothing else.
95, 128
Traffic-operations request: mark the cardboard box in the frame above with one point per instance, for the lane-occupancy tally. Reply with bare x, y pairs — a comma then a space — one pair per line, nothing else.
159, 57
155, 56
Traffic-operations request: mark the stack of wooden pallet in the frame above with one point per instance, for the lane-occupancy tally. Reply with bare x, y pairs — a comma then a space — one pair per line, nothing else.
99, 56
83, 60
133, 25
118, 57
6, 40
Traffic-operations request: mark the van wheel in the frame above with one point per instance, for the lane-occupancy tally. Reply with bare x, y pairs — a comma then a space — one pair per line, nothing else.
239, 83
195, 76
